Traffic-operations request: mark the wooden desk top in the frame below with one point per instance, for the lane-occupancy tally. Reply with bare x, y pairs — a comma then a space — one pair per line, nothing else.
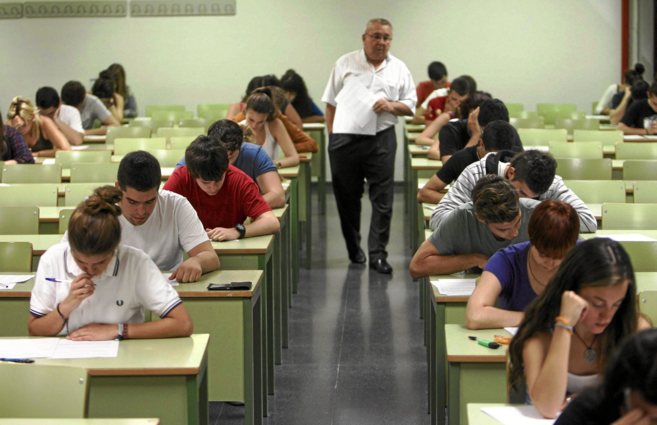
418, 150
199, 289
305, 157
95, 138
424, 163
144, 357
314, 126
254, 245
289, 172
460, 349
40, 243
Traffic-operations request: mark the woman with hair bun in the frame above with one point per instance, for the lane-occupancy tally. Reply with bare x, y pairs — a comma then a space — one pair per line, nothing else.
90, 287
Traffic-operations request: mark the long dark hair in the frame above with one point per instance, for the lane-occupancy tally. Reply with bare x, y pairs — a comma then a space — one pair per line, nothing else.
596, 262
293, 83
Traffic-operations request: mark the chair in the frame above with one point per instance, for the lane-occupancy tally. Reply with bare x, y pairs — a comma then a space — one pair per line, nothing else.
29, 194
643, 255
598, 191
32, 173
19, 220
125, 132
590, 150
606, 137
552, 111
64, 218
627, 150
177, 131
124, 146
43, 391
16, 257
74, 193
213, 111
515, 109
66, 158
542, 136
645, 191
86, 173
152, 108
629, 216
531, 122
636, 169
193, 122
150, 123
584, 169
180, 142
171, 115
648, 305
570, 124
168, 157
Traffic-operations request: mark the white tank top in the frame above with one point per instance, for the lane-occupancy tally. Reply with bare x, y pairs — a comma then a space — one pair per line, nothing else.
270, 146
578, 383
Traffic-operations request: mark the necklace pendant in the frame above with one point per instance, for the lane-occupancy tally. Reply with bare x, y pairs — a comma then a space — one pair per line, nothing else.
590, 355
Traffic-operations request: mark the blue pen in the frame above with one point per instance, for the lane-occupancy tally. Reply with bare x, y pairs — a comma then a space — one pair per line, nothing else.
4, 359
55, 280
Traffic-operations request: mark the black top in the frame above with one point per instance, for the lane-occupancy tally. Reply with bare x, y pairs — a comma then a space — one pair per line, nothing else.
453, 168
617, 99
589, 407
453, 137
636, 112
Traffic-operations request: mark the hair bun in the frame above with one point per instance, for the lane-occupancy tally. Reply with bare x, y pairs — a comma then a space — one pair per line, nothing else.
639, 68
104, 200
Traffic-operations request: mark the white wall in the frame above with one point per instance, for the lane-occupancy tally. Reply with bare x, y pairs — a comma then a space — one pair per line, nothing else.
520, 50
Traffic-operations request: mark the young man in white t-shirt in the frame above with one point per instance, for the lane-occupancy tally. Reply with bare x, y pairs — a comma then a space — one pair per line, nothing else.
66, 117
161, 223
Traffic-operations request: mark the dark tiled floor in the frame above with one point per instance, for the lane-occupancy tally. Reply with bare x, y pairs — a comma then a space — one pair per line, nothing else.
356, 354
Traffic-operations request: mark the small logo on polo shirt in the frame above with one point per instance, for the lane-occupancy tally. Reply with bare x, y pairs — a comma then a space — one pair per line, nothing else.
119, 303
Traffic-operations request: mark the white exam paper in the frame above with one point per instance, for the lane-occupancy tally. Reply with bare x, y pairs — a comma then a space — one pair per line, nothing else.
56, 348
455, 287
512, 330
520, 415
67, 349
354, 114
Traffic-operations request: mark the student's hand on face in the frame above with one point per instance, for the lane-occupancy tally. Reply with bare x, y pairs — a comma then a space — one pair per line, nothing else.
473, 122
82, 287
572, 307
633, 417
222, 234
189, 271
94, 332
628, 91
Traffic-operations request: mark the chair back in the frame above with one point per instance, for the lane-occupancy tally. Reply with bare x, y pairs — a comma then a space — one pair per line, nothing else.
616, 216
172, 115
637, 169
151, 123
584, 169
193, 122
66, 158
19, 220
648, 305
606, 137
213, 111
180, 142
152, 108
81, 173
598, 191
16, 257
553, 111
643, 255
74, 193
123, 146
114, 133
645, 191
542, 136
64, 218
32, 173
570, 124
43, 391
628, 150
529, 122
29, 194
515, 109
179, 131
168, 157
590, 150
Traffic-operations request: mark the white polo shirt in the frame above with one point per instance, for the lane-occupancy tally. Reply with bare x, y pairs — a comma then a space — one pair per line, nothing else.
131, 283
71, 117
172, 228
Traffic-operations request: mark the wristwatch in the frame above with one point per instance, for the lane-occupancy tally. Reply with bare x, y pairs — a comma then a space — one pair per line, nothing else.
241, 230
121, 332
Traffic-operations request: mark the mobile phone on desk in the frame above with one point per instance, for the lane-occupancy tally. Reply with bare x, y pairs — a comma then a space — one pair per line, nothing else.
231, 286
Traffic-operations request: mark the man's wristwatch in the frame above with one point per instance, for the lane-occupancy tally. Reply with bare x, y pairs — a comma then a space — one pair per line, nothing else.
241, 230
121, 332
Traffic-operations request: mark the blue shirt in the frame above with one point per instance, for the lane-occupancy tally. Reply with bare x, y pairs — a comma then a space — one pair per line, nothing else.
252, 160
509, 265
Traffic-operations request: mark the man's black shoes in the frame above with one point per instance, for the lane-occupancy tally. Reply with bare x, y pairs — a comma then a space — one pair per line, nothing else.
381, 266
358, 258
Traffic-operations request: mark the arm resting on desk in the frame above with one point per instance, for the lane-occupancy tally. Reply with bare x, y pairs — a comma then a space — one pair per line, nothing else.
202, 259
481, 312
271, 188
428, 261
431, 191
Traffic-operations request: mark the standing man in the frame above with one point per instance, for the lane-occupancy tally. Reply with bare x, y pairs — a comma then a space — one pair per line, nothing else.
366, 91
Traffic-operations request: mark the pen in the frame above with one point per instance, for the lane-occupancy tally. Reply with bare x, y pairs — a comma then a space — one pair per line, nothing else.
485, 342
55, 280
4, 359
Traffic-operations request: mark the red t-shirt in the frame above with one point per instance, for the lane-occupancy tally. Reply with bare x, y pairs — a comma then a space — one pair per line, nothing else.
423, 90
238, 198
435, 104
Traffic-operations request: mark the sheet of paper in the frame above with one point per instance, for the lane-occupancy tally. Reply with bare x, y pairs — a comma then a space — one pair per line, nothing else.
67, 349
48, 161
80, 148
354, 113
15, 278
172, 282
512, 330
629, 237
517, 415
24, 348
455, 287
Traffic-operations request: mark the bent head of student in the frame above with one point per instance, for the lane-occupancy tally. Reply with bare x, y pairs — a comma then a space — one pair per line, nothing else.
437, 74
47, 100
652, 96
497, 136
600, 272
230, 135
532, 172
553, 230
472, 102
294, 85
103, 89
94, 230
139, 178
496, 204
260, 108
207, 162
459, 91
377, 39
491, 110
117, 73
22, 115
73, 93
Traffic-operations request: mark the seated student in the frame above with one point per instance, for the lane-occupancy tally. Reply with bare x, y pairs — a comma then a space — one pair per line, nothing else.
628, 394
117, 73
104, 89
161, 223
236, 110
67, 118
497, 136
622, 99
222, 195
90, 287
13, 149
571, 330
437, 81
250, 158
90, 107
515, 275
531, 172
39, 132
262, 127
641, 115
458, 92
638, 91
494, 219
612, 96
297, 94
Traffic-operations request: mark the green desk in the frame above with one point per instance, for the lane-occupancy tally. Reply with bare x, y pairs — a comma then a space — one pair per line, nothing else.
318, 163
475, 374
420, 168
292, 174
305, 205
282, 256
165, 378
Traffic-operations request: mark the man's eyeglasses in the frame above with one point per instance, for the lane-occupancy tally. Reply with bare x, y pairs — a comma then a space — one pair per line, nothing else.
380, 37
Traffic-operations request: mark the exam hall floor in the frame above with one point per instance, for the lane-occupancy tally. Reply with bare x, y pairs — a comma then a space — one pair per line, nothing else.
356, 353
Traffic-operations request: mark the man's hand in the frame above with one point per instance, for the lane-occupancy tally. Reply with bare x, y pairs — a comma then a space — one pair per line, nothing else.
223, 234
95, 332
473, 122
189, 271
383, 105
